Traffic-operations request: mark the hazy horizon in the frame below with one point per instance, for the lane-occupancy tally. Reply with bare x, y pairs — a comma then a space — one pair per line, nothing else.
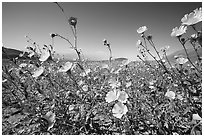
115, 21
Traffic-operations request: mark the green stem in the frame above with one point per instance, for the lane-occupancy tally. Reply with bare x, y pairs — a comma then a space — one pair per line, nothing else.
183, 44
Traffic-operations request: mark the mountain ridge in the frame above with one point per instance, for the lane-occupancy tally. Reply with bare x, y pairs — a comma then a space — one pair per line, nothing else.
13, 53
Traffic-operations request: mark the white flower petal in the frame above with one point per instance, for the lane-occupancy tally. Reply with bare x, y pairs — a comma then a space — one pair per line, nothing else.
122, 96
193, 17
45, 55
67, 66
196, 117
111, 96
176, 32
38, 72
170, 94
119, 110
142, 29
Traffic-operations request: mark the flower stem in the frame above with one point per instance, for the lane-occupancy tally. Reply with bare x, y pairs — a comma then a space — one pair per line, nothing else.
195, 50
194, 28
183, 44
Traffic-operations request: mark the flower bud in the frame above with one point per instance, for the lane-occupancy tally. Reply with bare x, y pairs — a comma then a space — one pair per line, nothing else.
183, 40
104, 42
72, 21
53, 35
149, 37
139, 42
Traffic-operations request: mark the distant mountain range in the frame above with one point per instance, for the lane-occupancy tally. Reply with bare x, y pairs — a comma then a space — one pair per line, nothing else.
191, 53
13, 53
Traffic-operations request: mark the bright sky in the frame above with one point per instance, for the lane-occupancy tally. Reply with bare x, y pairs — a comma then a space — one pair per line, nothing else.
117, 22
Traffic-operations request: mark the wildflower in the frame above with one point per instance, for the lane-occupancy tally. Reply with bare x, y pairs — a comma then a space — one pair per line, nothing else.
193, 17
170, 94
38, 72
45, 55
181, 60
115, 94
111, 96
50, 117
194, 36
163, 60
128, 84
114, 83
122, 96
119, 110
177, 32
72, 21
180, 97
66, 67
85, 88
196, 117
22, 65
142, 29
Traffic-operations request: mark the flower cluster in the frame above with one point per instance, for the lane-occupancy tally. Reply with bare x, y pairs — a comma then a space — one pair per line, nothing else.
188, 20
192, 18
119, 108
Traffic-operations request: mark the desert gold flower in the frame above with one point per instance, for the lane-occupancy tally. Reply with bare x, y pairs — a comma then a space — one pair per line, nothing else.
119, 110
115, 94
122, 96
142, 29
192, 18
176, 32
170, 94
44, 55
38, 72
196, 117
66, 67
111, 96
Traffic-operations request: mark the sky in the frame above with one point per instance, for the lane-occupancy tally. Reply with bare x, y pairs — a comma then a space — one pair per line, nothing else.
115, 21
